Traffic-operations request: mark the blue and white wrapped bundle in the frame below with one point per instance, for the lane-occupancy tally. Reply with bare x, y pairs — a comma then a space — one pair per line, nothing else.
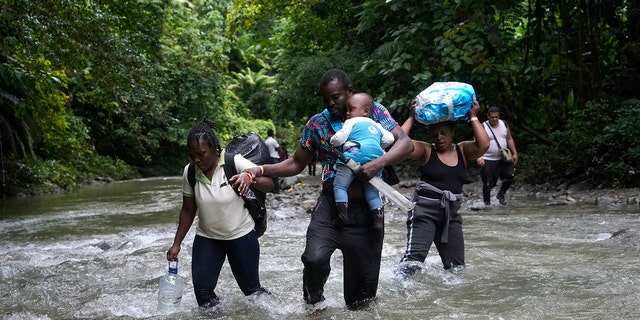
444, 101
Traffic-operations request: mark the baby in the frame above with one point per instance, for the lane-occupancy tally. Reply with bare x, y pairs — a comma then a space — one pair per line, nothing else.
362, 140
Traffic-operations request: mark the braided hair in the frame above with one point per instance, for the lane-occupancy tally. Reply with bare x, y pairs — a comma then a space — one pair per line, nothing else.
204, 131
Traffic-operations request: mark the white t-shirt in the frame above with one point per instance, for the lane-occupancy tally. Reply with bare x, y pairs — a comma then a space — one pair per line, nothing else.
272, 146
221, 211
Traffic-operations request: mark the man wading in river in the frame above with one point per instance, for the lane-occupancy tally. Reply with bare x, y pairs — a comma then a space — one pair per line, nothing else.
360, 248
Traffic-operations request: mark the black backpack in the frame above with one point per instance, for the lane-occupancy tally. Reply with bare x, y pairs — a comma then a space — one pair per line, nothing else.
253, 148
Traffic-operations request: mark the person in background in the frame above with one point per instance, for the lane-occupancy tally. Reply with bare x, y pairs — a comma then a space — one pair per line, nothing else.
361, 139
225, 230
435, 218
361, 250
491, 165
283, 153
274, 152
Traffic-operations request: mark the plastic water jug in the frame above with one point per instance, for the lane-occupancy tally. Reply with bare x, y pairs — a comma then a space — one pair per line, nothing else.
170, 290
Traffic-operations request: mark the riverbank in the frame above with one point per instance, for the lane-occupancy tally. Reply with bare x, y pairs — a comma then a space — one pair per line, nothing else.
548, 195
307, 187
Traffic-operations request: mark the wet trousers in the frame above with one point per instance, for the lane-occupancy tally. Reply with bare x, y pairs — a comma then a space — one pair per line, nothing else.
361, 253
209, 256
425, 224
491, 172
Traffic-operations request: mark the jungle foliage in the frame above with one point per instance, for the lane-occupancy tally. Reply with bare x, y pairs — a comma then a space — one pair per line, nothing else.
100, 88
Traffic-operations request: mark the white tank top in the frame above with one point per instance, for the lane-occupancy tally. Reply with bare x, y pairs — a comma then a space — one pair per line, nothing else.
493, 153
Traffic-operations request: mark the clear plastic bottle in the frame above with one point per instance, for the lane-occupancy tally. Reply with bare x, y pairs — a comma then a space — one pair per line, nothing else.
170, 290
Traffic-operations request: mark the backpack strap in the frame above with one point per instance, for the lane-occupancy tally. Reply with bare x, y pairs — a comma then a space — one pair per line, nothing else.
494, 135
230, 165
191, 175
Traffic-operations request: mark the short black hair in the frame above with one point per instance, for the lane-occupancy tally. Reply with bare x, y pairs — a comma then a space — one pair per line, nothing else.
335, 75
204, 131
270, 133
493, 109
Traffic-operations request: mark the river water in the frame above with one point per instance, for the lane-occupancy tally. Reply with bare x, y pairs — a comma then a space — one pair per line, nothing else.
99, 253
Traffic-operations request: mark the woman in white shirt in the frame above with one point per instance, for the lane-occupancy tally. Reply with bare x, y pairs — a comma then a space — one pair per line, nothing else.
225, 229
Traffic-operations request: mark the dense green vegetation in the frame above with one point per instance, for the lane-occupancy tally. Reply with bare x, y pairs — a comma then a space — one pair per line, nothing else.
111, 87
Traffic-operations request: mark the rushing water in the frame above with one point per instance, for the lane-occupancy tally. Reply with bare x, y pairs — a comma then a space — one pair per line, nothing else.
99, 253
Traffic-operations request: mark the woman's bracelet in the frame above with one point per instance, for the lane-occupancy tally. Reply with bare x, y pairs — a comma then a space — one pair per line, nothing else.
250, 176
473, 119
261, 171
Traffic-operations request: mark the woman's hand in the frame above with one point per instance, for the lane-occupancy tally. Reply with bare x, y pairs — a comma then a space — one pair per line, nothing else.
408, 124
412, 108
475, 107
172, 253
242, 181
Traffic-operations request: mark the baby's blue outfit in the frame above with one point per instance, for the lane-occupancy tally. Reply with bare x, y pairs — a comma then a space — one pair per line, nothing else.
363, 140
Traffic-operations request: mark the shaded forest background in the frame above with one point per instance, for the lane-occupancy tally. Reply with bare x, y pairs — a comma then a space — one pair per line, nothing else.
110, 88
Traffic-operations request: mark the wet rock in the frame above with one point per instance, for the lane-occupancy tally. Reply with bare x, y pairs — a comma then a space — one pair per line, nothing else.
284, 212
103, 245
527, 188
557, 203
274, 203
288, 182
102, 180
308, 205
590, 200
619, 232
606, 201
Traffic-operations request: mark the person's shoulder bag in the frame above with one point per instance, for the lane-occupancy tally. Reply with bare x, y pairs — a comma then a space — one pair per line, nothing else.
505, 153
